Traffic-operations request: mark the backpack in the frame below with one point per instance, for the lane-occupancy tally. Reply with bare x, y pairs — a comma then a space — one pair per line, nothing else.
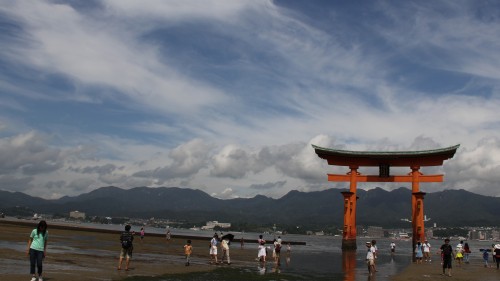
126, 240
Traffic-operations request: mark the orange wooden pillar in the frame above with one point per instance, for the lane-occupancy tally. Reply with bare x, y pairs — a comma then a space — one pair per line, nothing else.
350, 200
419, 232
417, 203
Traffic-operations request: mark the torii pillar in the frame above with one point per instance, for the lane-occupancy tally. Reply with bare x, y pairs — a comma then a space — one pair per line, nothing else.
384, 160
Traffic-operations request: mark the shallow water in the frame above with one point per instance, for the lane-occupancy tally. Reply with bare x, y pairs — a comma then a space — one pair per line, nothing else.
320, 259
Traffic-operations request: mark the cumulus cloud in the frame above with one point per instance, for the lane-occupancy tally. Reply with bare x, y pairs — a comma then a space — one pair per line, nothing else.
28, 154
186, 160
269, 185
225, 95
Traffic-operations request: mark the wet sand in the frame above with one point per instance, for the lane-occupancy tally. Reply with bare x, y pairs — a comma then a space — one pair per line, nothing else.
474, 271
88, 255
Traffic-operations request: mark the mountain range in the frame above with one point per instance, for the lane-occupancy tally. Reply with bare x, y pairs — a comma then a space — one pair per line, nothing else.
309, 210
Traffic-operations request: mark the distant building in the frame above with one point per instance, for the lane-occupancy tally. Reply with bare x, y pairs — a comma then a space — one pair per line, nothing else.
77, 215
429, 233
495, 235
375, 231
212, 224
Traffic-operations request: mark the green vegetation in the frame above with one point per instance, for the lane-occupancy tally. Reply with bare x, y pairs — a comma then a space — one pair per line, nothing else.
451, 232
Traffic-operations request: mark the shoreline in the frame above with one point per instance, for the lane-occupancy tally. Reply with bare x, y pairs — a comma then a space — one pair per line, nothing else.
76, 227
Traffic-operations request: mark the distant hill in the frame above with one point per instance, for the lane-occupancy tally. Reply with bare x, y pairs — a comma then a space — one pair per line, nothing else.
318, 209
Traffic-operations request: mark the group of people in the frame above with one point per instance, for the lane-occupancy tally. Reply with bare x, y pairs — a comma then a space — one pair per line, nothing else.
224, 242
423, 253
276, 250
495, 254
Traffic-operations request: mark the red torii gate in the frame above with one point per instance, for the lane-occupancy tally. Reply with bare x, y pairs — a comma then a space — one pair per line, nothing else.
384, 160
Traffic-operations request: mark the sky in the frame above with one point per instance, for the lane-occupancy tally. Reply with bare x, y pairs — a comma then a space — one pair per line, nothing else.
227, 96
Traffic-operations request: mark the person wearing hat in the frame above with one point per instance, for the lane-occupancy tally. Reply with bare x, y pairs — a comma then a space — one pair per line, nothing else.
447, 254
370, 258
496, 253
427, 251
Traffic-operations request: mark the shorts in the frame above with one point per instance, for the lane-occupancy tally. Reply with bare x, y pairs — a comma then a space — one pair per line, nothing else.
370, 262
213, 250
126, 253
447, 262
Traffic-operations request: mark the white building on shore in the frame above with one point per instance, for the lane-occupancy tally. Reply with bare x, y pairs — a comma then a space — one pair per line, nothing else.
212, 224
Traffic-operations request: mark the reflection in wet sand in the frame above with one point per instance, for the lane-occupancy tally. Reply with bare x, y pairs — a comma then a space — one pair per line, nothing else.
349, 265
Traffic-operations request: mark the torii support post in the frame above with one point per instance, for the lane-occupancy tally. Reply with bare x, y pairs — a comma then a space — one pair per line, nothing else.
418, 219
349, 232
384, 160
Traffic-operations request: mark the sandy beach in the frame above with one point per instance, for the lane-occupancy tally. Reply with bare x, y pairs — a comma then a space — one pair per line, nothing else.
474, 271
89, 254
84, 255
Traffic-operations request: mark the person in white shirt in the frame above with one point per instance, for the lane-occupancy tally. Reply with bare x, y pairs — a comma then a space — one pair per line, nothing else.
427, 251
370, 258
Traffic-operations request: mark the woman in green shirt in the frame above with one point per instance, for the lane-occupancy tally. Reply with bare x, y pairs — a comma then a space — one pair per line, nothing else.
37, 246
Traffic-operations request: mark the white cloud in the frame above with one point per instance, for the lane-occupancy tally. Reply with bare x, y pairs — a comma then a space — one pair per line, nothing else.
227, 95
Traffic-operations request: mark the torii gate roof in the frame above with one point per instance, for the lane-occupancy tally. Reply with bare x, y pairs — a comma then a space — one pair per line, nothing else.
339, 157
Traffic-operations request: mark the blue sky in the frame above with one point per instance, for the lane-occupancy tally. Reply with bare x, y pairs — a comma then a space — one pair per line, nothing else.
228, 96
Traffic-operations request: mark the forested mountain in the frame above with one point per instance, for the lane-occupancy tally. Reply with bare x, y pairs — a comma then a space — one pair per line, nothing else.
319, 209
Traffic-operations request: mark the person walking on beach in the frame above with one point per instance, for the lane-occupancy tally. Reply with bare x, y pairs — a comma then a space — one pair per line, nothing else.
261, 255
466, 252
37, 249
447, 254
427, 251
496, 253
167, 235
493, 251
485, 257
225, 251
370, 258
213, 248
375, 254
188, 250
142, 233
393, 247
277, 252
459, 256
418, 252
126, 239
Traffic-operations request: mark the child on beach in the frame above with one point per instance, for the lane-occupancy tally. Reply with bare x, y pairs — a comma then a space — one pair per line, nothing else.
213, 248
37, 249
485, 257
126, 239
188, 249
261, 255
142, 233
418, 252
370, 258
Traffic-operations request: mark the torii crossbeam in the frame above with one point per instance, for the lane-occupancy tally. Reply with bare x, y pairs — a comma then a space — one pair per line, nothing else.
384, 160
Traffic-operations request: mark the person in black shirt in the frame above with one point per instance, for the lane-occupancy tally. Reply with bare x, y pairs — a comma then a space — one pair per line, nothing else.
126, 239
447, 254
